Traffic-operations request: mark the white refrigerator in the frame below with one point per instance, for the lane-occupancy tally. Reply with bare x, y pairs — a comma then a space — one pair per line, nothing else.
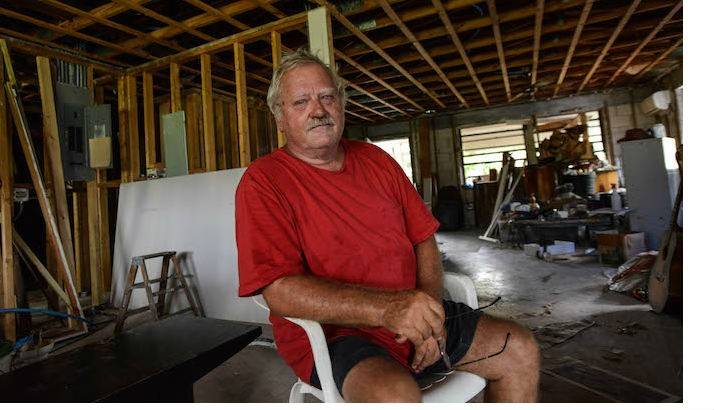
652, 178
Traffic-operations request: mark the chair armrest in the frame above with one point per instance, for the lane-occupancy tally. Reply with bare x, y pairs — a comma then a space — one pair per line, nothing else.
318, 345
461, 289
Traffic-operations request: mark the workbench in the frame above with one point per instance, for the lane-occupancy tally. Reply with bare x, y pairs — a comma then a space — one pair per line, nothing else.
154, 362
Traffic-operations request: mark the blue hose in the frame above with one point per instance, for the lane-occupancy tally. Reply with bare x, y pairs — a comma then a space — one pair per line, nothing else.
47, 312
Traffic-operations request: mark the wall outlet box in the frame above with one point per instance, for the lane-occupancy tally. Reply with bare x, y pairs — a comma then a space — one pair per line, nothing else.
21, 195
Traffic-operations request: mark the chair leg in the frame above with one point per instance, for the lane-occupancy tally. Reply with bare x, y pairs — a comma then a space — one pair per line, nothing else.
296, 394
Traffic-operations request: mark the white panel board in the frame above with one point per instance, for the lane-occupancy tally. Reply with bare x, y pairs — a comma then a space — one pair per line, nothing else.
193, 215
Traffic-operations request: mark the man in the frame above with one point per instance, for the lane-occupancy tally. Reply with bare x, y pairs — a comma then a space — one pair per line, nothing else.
331, 230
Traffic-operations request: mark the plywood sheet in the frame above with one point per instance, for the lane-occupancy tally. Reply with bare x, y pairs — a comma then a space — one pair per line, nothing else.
194, 215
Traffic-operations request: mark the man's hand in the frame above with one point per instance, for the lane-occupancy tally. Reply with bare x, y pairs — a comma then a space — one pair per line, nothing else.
426, 354
415, 316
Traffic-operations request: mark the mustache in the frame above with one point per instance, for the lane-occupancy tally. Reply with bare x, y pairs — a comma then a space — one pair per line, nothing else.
316, 122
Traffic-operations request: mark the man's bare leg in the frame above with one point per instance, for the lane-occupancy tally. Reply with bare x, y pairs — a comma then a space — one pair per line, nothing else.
380, 379
512, 375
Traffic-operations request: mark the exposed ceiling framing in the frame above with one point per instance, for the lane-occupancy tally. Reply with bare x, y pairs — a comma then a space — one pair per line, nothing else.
399, 57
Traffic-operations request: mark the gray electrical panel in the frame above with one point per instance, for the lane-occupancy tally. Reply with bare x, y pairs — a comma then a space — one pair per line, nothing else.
173, 139
70, 102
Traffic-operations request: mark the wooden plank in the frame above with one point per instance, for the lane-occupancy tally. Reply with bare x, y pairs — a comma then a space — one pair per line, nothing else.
660, 58
220, 125
81, 238
72, 33
540, 5
90, 81
7, 265
209, 137
364, 107
218, 13
123, 130
499, 45
573, 44
319, 28
424, 150
241, 106
50, 131
193, 131
644, 42
132, 108
287, 23
175, 87
586, 136
529, 136
276, 45
95, 256
376, 78
460, 47
620, 25
232, 114
374, 97
147, 84
104, 238
422, 51
357, 32
39, 185
164, 108
32, 258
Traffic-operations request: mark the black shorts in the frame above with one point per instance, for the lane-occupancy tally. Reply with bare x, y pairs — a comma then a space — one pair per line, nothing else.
347, 351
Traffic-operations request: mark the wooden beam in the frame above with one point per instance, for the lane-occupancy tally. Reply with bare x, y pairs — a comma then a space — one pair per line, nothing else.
243, 37
147, 83
132, 108
644, 42
374, 97
221, 148
175, 87
50, 132
105, 11
376, 78
123, 115
360, 116
241, 106
460, 47
529, 136
217, 13
499, 44
233, 136
345, 22
198, 21
410, 36
659, 59
573, 44
22, 246
96, 18
276, 44
209, 136
72, 33
364, 107
620, 25
7, 264
193, 130
540, 6
319, 26
160, 17
42, 195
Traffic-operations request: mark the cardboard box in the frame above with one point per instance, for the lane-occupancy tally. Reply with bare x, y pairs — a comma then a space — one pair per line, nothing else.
615, 248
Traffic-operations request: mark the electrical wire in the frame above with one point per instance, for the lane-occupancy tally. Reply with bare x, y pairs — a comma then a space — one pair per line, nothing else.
47, 312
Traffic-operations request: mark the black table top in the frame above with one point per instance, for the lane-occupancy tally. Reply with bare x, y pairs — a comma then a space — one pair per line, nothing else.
157, 361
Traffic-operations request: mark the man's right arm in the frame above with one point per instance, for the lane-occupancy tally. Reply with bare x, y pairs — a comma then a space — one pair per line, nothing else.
410, 313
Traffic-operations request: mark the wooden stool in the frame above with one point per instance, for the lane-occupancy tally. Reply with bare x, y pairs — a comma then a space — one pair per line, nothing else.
158, 308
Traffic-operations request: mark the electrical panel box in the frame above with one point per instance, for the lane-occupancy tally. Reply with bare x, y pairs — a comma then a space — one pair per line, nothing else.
70, 102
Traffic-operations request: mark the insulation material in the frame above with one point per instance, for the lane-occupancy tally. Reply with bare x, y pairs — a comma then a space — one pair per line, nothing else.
194, 216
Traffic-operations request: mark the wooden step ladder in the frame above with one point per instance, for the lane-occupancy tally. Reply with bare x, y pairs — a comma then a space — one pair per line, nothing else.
158, 308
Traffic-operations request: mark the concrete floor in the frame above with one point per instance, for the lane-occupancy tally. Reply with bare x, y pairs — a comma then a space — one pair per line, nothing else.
625, 353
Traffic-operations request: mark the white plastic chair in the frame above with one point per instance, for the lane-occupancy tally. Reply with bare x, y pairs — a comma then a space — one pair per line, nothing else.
458, 387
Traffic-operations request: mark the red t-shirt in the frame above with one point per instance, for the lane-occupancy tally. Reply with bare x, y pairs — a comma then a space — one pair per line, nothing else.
358, 225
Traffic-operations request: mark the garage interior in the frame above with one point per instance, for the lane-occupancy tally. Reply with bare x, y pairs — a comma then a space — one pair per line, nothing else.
545, 136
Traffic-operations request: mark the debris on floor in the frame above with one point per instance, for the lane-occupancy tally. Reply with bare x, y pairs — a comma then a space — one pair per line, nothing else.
555, 333
632, 276
614, 355
631, 329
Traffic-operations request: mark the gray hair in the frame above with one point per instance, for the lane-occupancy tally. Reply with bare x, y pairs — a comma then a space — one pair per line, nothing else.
293, 60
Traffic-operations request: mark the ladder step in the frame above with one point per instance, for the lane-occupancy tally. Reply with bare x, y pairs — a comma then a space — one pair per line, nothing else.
141, 284
153, 255
166, 291
138, 310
